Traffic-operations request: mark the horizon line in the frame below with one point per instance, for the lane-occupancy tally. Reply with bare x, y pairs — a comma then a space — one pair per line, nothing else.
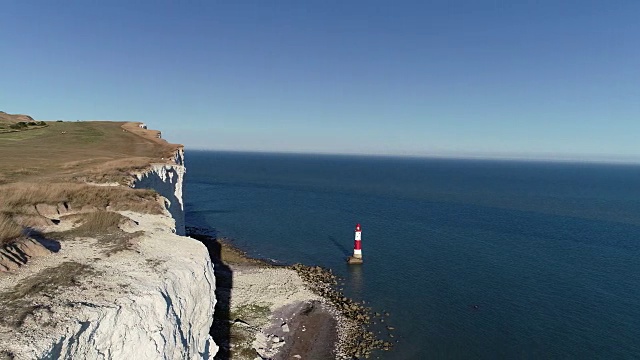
575, 159
558, 158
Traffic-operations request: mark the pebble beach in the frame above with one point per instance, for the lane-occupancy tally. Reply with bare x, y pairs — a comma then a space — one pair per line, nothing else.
269, 311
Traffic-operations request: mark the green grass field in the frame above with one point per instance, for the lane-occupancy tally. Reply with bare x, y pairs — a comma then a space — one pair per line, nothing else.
98, 151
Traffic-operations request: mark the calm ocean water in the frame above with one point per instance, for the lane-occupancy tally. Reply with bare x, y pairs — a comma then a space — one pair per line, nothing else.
549, 252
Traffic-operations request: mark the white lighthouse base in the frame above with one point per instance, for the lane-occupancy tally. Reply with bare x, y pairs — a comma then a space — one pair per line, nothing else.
352, 260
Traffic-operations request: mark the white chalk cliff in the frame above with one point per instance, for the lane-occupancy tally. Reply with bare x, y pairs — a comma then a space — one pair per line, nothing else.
167, 180
152, 301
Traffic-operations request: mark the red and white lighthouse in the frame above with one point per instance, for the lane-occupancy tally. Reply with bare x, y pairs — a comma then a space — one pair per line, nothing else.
357, 247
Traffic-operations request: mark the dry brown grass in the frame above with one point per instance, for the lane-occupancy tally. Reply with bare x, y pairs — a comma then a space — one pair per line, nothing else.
17, 203
14, 197
18, 303
103, 226
98, 222
120, 170
33, 221
9, 230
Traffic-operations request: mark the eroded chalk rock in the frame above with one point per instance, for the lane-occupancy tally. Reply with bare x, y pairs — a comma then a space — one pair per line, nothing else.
19, 252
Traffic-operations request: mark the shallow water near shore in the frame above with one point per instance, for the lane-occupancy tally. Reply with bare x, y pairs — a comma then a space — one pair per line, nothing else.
473, 259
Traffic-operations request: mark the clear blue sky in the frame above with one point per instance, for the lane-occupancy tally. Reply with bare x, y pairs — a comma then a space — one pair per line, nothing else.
455, 78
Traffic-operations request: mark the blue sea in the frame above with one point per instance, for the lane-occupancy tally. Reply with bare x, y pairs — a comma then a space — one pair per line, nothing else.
473, 259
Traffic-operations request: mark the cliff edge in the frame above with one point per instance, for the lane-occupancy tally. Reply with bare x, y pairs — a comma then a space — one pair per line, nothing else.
167, 180
96, 269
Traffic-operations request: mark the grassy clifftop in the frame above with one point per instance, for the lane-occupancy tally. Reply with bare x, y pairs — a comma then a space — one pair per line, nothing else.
55, 168
99, 151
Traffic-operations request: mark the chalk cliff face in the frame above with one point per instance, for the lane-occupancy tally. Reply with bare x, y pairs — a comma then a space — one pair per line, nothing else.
153, 299
167, 180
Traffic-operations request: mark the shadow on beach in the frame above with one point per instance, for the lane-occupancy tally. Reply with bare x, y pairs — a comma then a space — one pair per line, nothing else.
315, 344
221, 328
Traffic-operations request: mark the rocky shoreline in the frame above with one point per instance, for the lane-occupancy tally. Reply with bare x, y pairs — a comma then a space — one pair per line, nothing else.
354, 338
322, 324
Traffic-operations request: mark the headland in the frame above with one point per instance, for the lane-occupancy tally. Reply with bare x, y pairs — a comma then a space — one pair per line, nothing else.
92, 262
95, 265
